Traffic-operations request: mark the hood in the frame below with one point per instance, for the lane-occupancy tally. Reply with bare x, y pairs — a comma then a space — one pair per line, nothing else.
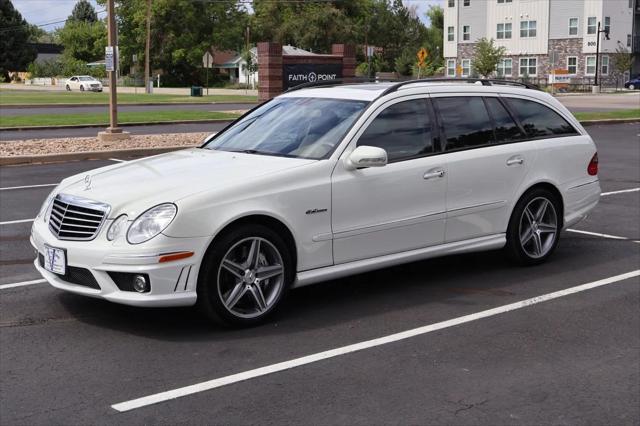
135, 186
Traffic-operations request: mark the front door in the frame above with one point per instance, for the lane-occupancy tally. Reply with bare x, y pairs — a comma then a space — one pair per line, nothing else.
398, 207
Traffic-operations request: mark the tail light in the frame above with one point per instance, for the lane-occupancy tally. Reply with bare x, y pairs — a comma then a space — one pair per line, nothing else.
592, 168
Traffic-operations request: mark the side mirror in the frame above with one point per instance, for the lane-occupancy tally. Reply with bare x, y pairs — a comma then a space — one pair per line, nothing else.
366, 156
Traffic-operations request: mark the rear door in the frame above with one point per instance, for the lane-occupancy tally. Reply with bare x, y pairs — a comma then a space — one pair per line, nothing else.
488, 156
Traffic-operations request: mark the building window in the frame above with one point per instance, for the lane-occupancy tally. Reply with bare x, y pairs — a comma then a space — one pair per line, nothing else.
527, 29
452, 3
591, 65
628, 40
572, 65
505, 67
503, 31
591, 25
466, 67
466, 32
451, 67
450, 36
604, 67
505, 1
607, 23
528, 67
467, 3
573, 26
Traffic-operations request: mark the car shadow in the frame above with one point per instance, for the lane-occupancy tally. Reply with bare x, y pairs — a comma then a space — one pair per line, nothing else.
459, 280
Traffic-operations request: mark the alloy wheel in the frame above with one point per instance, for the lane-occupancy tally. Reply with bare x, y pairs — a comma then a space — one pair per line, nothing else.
538, 227
250, 277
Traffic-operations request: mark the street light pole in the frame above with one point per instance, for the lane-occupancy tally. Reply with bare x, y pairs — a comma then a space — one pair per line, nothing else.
597, 54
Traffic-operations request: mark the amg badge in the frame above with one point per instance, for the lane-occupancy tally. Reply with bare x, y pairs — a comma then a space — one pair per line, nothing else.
314, 211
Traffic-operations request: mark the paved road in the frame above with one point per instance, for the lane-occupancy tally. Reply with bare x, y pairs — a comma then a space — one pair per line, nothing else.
602, 102
93, 131
60, 110
572, 360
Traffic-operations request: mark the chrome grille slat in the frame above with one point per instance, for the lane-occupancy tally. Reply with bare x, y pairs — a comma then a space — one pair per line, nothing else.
76, 218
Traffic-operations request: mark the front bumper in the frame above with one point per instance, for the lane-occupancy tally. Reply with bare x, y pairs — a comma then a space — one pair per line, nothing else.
171, 283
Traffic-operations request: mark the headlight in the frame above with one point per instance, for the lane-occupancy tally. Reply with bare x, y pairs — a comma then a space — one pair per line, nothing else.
46, 206
117, 226
151, 223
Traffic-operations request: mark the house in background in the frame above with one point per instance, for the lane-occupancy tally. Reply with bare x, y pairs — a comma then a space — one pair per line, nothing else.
47, 51
235, 66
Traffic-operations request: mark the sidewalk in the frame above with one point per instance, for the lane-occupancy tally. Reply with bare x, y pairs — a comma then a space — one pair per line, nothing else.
184, 91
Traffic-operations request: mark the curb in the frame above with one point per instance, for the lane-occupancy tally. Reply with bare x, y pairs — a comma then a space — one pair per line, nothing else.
610, 121
87, 155
89, 126
27, 106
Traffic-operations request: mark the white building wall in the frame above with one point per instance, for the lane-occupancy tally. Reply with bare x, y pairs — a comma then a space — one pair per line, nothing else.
450, 20
621, 24
514, 13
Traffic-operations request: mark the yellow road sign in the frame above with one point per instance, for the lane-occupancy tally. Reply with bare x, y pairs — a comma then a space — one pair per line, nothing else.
422, 55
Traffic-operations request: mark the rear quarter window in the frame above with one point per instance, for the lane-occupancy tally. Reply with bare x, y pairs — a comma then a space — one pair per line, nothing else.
538, 120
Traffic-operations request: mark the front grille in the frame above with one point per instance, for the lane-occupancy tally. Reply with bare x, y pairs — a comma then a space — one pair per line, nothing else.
76, 218
74, 275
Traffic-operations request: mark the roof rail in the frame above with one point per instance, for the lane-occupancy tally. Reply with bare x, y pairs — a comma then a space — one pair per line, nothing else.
483, 81
327, 83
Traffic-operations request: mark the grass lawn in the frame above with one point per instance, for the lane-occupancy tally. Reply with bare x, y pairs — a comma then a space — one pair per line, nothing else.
21, 97
103, 118
607, 115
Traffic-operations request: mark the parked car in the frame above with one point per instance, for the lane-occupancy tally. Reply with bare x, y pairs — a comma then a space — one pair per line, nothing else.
321, 183
633, 83
83, 83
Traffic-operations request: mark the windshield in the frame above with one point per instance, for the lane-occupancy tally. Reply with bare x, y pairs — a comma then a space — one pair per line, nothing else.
291, 127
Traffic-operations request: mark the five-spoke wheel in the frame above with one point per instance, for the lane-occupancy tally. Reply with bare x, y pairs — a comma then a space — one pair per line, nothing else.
534, 227
244, 275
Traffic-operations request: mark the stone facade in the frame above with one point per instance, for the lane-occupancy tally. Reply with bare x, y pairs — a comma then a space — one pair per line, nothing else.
564, 48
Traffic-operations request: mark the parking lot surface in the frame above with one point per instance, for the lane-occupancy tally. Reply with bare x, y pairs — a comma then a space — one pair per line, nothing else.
572, 359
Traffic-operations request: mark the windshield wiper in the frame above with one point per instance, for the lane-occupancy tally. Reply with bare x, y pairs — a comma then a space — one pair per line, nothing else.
251, 151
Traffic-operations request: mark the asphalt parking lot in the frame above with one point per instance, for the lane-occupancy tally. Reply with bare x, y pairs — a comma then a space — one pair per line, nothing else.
571, 356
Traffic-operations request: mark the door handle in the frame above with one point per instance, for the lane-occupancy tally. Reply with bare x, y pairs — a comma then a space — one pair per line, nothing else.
434, 174
515, 160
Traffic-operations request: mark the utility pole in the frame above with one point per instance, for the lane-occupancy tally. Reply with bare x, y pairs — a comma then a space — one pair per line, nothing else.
147, 49
113, 132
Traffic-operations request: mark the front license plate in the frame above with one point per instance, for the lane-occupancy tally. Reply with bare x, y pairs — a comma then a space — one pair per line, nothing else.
55, 260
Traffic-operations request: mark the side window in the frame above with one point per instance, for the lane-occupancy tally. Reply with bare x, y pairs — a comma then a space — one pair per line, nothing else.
404, 130
506, 129
465, 122
539, 120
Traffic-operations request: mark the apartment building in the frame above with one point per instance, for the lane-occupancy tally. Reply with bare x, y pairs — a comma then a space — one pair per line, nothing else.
532, 30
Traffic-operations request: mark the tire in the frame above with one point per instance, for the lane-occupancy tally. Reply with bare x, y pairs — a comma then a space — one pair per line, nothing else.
632, 87
233, 293
534, 232
68, 88
81, 88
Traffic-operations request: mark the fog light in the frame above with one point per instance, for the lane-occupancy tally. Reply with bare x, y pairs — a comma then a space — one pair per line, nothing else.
140, 283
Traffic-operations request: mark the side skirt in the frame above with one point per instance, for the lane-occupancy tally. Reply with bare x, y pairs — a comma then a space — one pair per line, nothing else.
313, 276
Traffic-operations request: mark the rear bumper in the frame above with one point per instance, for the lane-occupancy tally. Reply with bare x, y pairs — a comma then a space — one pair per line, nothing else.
171, 283
579, 201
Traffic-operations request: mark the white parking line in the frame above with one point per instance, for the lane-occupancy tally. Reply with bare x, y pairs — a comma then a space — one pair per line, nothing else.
623, 191
13, 222
309, 359
9, 188
23, 283
598, 234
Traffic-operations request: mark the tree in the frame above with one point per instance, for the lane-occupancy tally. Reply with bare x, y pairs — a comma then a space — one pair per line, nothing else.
15, 32
622, 60
83, 11
82, 40
486, 57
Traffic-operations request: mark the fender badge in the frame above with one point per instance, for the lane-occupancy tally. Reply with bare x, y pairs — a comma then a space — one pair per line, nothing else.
314, 211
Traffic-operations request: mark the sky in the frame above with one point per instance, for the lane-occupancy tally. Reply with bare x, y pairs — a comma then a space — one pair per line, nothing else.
48, 11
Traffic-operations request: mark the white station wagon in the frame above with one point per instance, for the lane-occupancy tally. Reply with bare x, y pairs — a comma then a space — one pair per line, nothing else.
320, 183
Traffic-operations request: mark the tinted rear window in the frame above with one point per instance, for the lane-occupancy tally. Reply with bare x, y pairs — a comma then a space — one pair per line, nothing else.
465, 122
506, 129
539, 120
